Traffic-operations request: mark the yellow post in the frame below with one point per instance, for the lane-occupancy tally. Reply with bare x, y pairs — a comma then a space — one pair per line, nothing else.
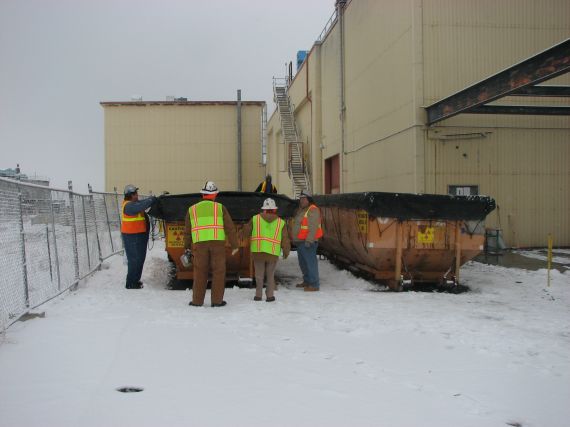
549, 257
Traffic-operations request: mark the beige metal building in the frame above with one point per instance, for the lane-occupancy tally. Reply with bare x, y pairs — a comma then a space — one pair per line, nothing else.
176, 146
359, 110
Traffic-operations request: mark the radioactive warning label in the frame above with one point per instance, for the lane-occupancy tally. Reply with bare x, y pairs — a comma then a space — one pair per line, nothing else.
175, 236
362, 217
427, 236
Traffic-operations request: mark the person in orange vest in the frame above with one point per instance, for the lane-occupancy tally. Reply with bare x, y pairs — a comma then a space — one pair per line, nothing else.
307, 231
134, 231
266, 186
269, 236
208, 224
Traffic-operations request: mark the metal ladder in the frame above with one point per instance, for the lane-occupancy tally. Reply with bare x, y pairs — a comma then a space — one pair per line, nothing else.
296, 162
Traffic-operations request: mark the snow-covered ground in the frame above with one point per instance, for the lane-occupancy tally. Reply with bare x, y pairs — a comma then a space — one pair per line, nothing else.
348, 355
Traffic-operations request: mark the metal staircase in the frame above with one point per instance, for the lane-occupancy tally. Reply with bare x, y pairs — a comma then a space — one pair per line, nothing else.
296, 161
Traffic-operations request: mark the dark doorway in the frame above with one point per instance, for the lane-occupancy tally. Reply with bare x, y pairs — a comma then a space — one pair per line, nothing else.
332, 175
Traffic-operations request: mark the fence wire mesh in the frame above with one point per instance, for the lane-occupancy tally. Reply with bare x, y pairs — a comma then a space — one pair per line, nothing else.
49, 240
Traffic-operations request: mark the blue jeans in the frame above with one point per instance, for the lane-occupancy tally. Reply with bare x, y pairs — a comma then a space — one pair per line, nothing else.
309, 263
135, 249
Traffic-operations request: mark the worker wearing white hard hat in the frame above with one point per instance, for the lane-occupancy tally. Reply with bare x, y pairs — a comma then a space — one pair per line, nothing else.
208, 223
268, 239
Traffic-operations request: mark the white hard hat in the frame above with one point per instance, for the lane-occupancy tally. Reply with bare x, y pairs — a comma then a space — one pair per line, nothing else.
269, 204
130, 189
209, 188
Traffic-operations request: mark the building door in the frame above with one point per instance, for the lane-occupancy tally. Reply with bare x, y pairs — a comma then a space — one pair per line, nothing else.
332, 175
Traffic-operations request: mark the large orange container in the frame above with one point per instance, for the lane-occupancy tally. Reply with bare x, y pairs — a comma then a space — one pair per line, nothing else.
402, 239
172, 210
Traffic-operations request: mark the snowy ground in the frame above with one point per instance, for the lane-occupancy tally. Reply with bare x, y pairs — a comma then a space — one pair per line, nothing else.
349, 355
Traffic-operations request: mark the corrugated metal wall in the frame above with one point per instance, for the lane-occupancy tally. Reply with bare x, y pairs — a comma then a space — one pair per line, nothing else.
403, 56
178, 147
521, 161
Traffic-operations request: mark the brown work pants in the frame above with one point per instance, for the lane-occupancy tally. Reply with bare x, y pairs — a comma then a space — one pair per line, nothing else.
209, 256
267, 269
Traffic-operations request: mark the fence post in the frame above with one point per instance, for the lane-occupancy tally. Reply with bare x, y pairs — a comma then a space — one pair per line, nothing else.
55, 243
92, 201
118, 213
23, 252
108, 224
86, 234
74, 234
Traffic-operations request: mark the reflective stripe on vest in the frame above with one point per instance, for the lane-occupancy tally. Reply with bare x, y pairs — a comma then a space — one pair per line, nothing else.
207, 220
266, 236
132, 224
304, 230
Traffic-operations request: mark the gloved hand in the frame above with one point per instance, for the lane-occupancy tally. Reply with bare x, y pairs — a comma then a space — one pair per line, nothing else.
188, 252
308, 243
235, 251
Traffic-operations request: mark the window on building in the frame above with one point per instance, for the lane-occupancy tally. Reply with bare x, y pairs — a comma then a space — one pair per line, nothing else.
463, 190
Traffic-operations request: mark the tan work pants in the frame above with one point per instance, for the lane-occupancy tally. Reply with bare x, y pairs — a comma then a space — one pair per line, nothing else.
264, 269
209, 256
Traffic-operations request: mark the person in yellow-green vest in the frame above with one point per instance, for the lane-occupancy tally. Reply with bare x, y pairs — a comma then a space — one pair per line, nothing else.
208, 223
269, 237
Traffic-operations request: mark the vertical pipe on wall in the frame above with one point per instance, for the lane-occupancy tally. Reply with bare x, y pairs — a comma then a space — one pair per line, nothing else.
340, 5
239, 178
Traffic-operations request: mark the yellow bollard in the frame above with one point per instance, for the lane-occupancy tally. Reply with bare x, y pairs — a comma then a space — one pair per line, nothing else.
549, 257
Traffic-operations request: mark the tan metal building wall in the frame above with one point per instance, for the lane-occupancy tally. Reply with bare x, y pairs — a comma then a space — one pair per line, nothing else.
177, 146
403, 56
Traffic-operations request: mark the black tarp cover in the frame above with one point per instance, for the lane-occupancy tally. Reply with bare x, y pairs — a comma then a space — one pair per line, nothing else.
240, 204
412, 206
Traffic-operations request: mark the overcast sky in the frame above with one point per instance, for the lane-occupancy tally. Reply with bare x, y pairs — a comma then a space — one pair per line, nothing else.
60, 58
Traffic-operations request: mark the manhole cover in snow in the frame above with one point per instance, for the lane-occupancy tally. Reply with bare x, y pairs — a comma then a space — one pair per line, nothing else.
130, 389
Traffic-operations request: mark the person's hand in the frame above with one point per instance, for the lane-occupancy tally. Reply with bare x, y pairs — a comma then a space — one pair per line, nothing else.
285, 256
235, 251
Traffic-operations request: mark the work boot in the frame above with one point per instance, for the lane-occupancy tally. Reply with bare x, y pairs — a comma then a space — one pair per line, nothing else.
220, 304
311, 289
257, 298
301, 285
195, 305
270, 299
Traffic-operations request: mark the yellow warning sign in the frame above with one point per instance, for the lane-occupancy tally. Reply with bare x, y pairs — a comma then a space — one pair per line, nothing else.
175, 236
427, 236
362, 217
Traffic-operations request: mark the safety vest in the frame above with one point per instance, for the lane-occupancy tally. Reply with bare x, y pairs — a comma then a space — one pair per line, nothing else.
266, 236
132, 224
304, 230
207, 220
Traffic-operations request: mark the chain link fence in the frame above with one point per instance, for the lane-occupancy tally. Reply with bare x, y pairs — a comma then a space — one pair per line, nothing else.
50, 239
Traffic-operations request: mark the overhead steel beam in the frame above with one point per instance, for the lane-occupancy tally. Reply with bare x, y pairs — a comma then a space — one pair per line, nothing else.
554, 91
521, 109
543, 66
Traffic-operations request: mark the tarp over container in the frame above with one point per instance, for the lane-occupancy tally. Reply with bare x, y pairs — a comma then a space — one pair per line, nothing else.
240, 204
407, 206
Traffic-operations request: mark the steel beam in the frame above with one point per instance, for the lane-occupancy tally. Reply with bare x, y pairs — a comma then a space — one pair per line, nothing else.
538, 68
521, 110
542, 91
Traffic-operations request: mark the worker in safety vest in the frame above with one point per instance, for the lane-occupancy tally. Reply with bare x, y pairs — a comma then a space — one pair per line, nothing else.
208, 223
266, 186
134, 231
269, 237
307, 231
